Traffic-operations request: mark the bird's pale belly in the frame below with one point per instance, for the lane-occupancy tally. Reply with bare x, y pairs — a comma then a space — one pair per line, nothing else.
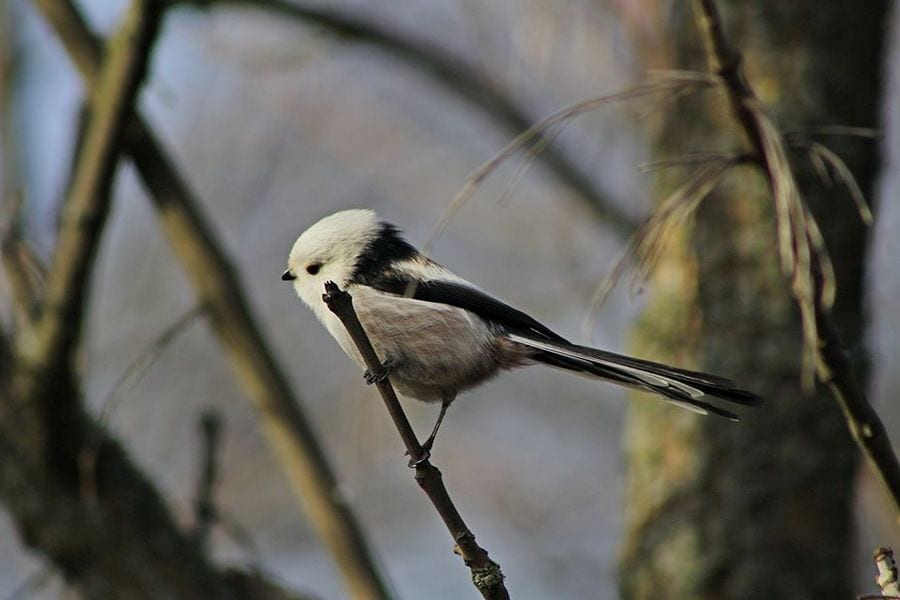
434, 351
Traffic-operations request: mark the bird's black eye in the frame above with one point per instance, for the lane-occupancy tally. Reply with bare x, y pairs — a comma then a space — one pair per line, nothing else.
313, 268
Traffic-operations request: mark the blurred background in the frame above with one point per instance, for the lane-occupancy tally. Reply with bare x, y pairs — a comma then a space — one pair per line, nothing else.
277, 122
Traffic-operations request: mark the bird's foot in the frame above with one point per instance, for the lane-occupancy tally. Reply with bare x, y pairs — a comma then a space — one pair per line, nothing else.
423, 458
372, 378
426, 451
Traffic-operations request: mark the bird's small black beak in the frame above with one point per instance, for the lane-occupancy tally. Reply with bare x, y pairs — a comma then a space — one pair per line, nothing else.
288, 276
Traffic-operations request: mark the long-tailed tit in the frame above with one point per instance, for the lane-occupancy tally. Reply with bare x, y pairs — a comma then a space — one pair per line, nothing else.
438, 335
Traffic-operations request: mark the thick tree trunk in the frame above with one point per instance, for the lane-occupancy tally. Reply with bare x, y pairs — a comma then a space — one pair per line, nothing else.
760, 509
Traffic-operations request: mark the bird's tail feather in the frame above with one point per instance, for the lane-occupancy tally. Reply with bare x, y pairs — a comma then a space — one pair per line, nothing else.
684, 388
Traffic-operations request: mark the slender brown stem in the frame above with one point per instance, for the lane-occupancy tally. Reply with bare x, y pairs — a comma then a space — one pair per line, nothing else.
833, 366
341, 304
292, 438
864, 423
486, 574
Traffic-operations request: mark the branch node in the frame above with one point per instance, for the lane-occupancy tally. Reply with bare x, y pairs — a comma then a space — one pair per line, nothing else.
887, 578
487, 577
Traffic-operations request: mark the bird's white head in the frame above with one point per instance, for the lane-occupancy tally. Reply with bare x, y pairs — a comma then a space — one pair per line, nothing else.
329, 251
350, 246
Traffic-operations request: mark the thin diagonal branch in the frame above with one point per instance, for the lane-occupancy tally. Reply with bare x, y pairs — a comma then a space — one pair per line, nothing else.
458, 78
486, 574
140, 364
800, 240
24, 271
216, 283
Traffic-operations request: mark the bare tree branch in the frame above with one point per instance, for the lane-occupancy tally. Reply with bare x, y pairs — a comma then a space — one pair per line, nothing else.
458, 78
85, 210
800, 240
292, 439
124, 543
486, 574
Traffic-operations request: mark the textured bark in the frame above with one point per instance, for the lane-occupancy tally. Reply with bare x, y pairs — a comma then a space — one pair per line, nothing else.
761, 509
114, 540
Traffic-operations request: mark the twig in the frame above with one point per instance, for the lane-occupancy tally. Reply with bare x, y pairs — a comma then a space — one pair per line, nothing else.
800, 240
458, 78
136, 369
205, 513
887, 572
646, 245
824, 157
23, 268
486, 574
287, 430
864, 423
537, 136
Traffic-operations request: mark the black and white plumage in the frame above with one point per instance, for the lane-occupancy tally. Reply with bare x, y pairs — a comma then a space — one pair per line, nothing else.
440, 335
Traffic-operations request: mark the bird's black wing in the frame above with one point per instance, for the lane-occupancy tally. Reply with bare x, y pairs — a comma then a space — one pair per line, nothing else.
468, 298
681, 386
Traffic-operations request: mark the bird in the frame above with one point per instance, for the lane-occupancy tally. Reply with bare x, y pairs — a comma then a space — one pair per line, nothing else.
437, 334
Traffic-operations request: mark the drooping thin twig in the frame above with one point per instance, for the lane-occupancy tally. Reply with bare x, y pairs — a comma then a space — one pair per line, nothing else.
803, 255
486, 574
826, 162
216, 283
835, 131
645, 246
139, 366
696, 158
537, 136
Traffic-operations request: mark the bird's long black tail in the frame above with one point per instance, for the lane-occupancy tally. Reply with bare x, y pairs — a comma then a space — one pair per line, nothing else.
688, 389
